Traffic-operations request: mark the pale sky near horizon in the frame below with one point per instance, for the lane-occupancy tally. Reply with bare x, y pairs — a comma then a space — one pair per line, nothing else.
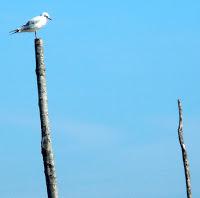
115, 71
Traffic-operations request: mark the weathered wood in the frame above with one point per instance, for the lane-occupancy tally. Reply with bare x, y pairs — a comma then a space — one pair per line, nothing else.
46, 147
184, 152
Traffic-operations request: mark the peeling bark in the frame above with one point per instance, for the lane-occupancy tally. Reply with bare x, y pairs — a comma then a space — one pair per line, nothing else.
184, 152
46, 147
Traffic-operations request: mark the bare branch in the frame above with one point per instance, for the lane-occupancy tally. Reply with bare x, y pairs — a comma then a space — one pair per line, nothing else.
46, 147
184, 152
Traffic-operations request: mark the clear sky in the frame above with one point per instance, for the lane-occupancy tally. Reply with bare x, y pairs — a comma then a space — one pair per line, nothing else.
115, 70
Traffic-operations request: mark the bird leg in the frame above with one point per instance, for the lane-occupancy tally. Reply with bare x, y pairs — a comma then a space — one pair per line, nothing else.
35, 34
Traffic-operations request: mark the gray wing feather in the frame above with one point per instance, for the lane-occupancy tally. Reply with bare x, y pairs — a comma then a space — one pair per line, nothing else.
32, 21
28, 25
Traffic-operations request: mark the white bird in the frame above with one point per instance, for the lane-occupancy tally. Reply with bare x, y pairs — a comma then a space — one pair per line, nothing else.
33, 24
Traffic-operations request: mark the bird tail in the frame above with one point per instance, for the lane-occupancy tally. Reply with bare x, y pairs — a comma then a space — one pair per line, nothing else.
15, 31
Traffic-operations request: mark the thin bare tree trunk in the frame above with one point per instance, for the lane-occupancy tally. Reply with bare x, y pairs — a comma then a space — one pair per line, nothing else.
184, 152
46, 147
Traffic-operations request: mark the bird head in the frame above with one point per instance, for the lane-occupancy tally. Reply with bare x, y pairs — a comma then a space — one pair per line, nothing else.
46, 15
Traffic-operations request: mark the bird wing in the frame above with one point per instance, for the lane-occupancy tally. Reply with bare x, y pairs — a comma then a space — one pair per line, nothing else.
33, 21
30, 24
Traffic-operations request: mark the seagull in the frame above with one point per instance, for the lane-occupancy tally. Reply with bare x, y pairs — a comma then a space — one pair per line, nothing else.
33, 24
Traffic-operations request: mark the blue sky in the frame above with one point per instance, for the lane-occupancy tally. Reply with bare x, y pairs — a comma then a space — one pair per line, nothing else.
115, 71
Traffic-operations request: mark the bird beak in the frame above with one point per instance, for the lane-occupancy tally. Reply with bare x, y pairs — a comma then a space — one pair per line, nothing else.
49, 18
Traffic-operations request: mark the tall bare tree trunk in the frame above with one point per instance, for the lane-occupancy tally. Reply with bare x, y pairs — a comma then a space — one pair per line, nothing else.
184, 152
46, 147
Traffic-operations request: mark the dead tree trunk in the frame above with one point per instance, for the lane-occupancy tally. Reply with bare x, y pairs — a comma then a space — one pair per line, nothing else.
46, 147
184, 152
